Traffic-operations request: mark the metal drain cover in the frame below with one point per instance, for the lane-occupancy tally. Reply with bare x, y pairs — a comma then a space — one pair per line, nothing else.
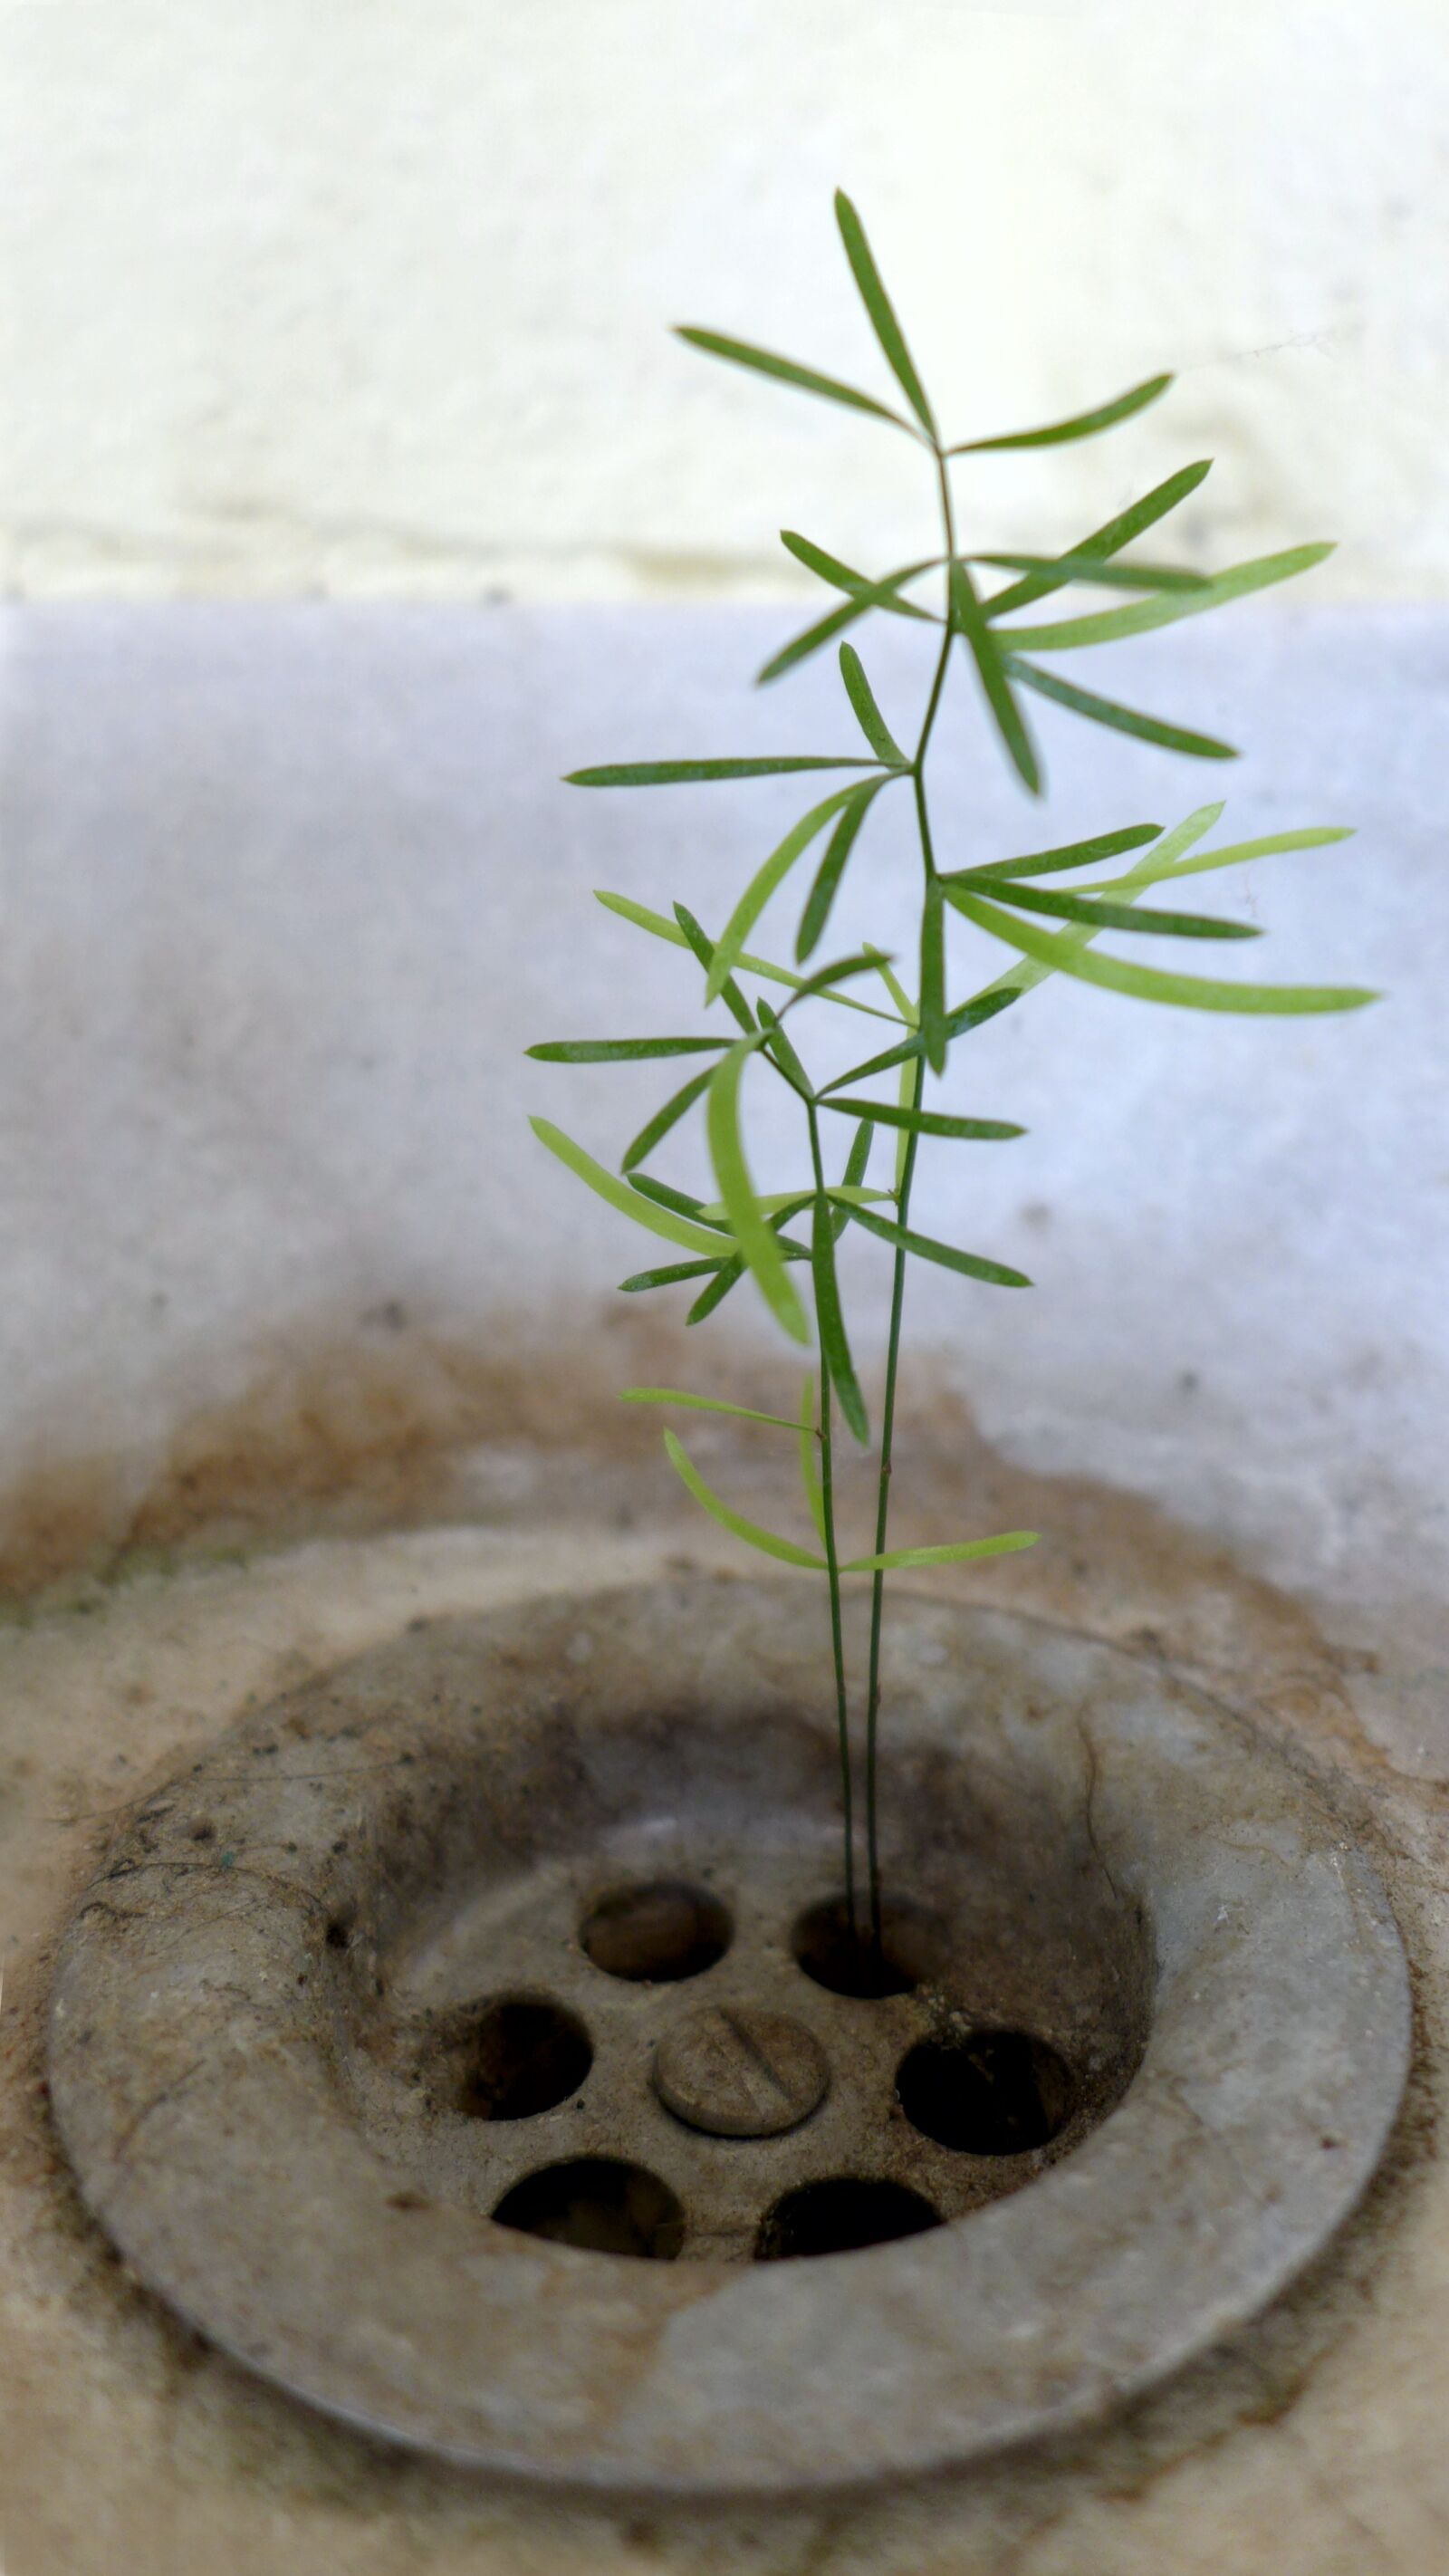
530, 1914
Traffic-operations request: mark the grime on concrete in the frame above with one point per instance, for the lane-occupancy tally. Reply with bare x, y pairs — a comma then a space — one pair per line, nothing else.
393, 1965
183, 2459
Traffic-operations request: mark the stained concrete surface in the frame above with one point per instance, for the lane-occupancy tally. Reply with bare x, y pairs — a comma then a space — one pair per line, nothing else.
259, 2038
278, 1264
1311, 2444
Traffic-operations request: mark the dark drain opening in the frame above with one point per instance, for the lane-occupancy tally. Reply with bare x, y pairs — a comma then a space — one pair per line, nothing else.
657, 1933
524, 2057
993, 2093
600, 2205
841, 2217
849, 1963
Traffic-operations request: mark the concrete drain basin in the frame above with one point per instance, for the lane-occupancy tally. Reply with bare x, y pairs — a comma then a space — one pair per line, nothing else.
470, 2043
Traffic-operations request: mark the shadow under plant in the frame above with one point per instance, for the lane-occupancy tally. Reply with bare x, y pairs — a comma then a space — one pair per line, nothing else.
772, 1234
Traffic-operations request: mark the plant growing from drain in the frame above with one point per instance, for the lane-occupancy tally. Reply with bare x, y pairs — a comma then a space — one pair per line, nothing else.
787, 1236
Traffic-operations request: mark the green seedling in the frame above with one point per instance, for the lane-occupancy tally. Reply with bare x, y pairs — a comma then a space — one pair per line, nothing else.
786, 1241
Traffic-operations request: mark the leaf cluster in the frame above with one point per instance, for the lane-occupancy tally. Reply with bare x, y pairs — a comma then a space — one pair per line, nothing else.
980, 616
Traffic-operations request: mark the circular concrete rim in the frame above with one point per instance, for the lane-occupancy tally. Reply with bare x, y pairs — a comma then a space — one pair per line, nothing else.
1271, 2077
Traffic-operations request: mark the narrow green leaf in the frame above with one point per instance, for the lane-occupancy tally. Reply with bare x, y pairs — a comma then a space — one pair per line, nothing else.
1109, 539
733, 1271
970, 1015
926, 1122
763, 884
830, 1322
896, 1559
970, 1264
880, 594
809, 640
668, 1278
850, 1193
640, 914
1082, 424
658, 928
703, 946
1111, 916
933, 977
832, 868
780, 1205
750, 1531
1098, 569
826, 978
1115, 623
1149, 984
778, 1045
660, 1194
842, 576
896, 990
1106, 711
728, 1277
827, 992
882, 313
765, 362
908, 1087
703, 1404
809, 1472
1072, 854
995, 685
1164, 859
621, 1050
655, 1129
857, 1161
1156, 868
691, 773
622, 1194
757, 1243
872, 723
1267, 846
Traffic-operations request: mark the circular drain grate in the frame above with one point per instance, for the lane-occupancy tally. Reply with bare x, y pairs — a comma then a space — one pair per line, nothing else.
730, 2035
499, 2071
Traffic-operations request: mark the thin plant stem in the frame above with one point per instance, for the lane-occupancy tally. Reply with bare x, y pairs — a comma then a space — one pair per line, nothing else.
898, 1277
832, 1569
882, 1523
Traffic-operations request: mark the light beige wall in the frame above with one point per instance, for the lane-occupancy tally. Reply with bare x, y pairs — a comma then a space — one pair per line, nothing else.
368, 296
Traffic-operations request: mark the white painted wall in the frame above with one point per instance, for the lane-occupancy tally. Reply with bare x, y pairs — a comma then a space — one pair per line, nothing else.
364, 298
367, 300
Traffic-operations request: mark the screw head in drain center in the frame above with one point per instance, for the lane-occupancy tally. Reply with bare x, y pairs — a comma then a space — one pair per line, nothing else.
737, 2072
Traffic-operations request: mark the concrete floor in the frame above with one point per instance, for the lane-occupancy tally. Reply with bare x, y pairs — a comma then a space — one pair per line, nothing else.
276, 1378
1312, 2444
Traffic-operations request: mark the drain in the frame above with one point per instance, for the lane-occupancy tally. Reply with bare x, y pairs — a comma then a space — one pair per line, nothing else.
846, 1960
987, 2093
600, 2205
656, 1934
520, 2058
396, 2090
843, 2216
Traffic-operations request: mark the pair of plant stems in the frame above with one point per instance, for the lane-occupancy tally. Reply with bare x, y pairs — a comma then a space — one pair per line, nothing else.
746, 1233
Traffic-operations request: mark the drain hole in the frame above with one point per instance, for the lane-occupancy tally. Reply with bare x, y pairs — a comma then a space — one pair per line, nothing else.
841, 2216
993, 2093
848, 1962
598, 2204
524, 2057
657, 1933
